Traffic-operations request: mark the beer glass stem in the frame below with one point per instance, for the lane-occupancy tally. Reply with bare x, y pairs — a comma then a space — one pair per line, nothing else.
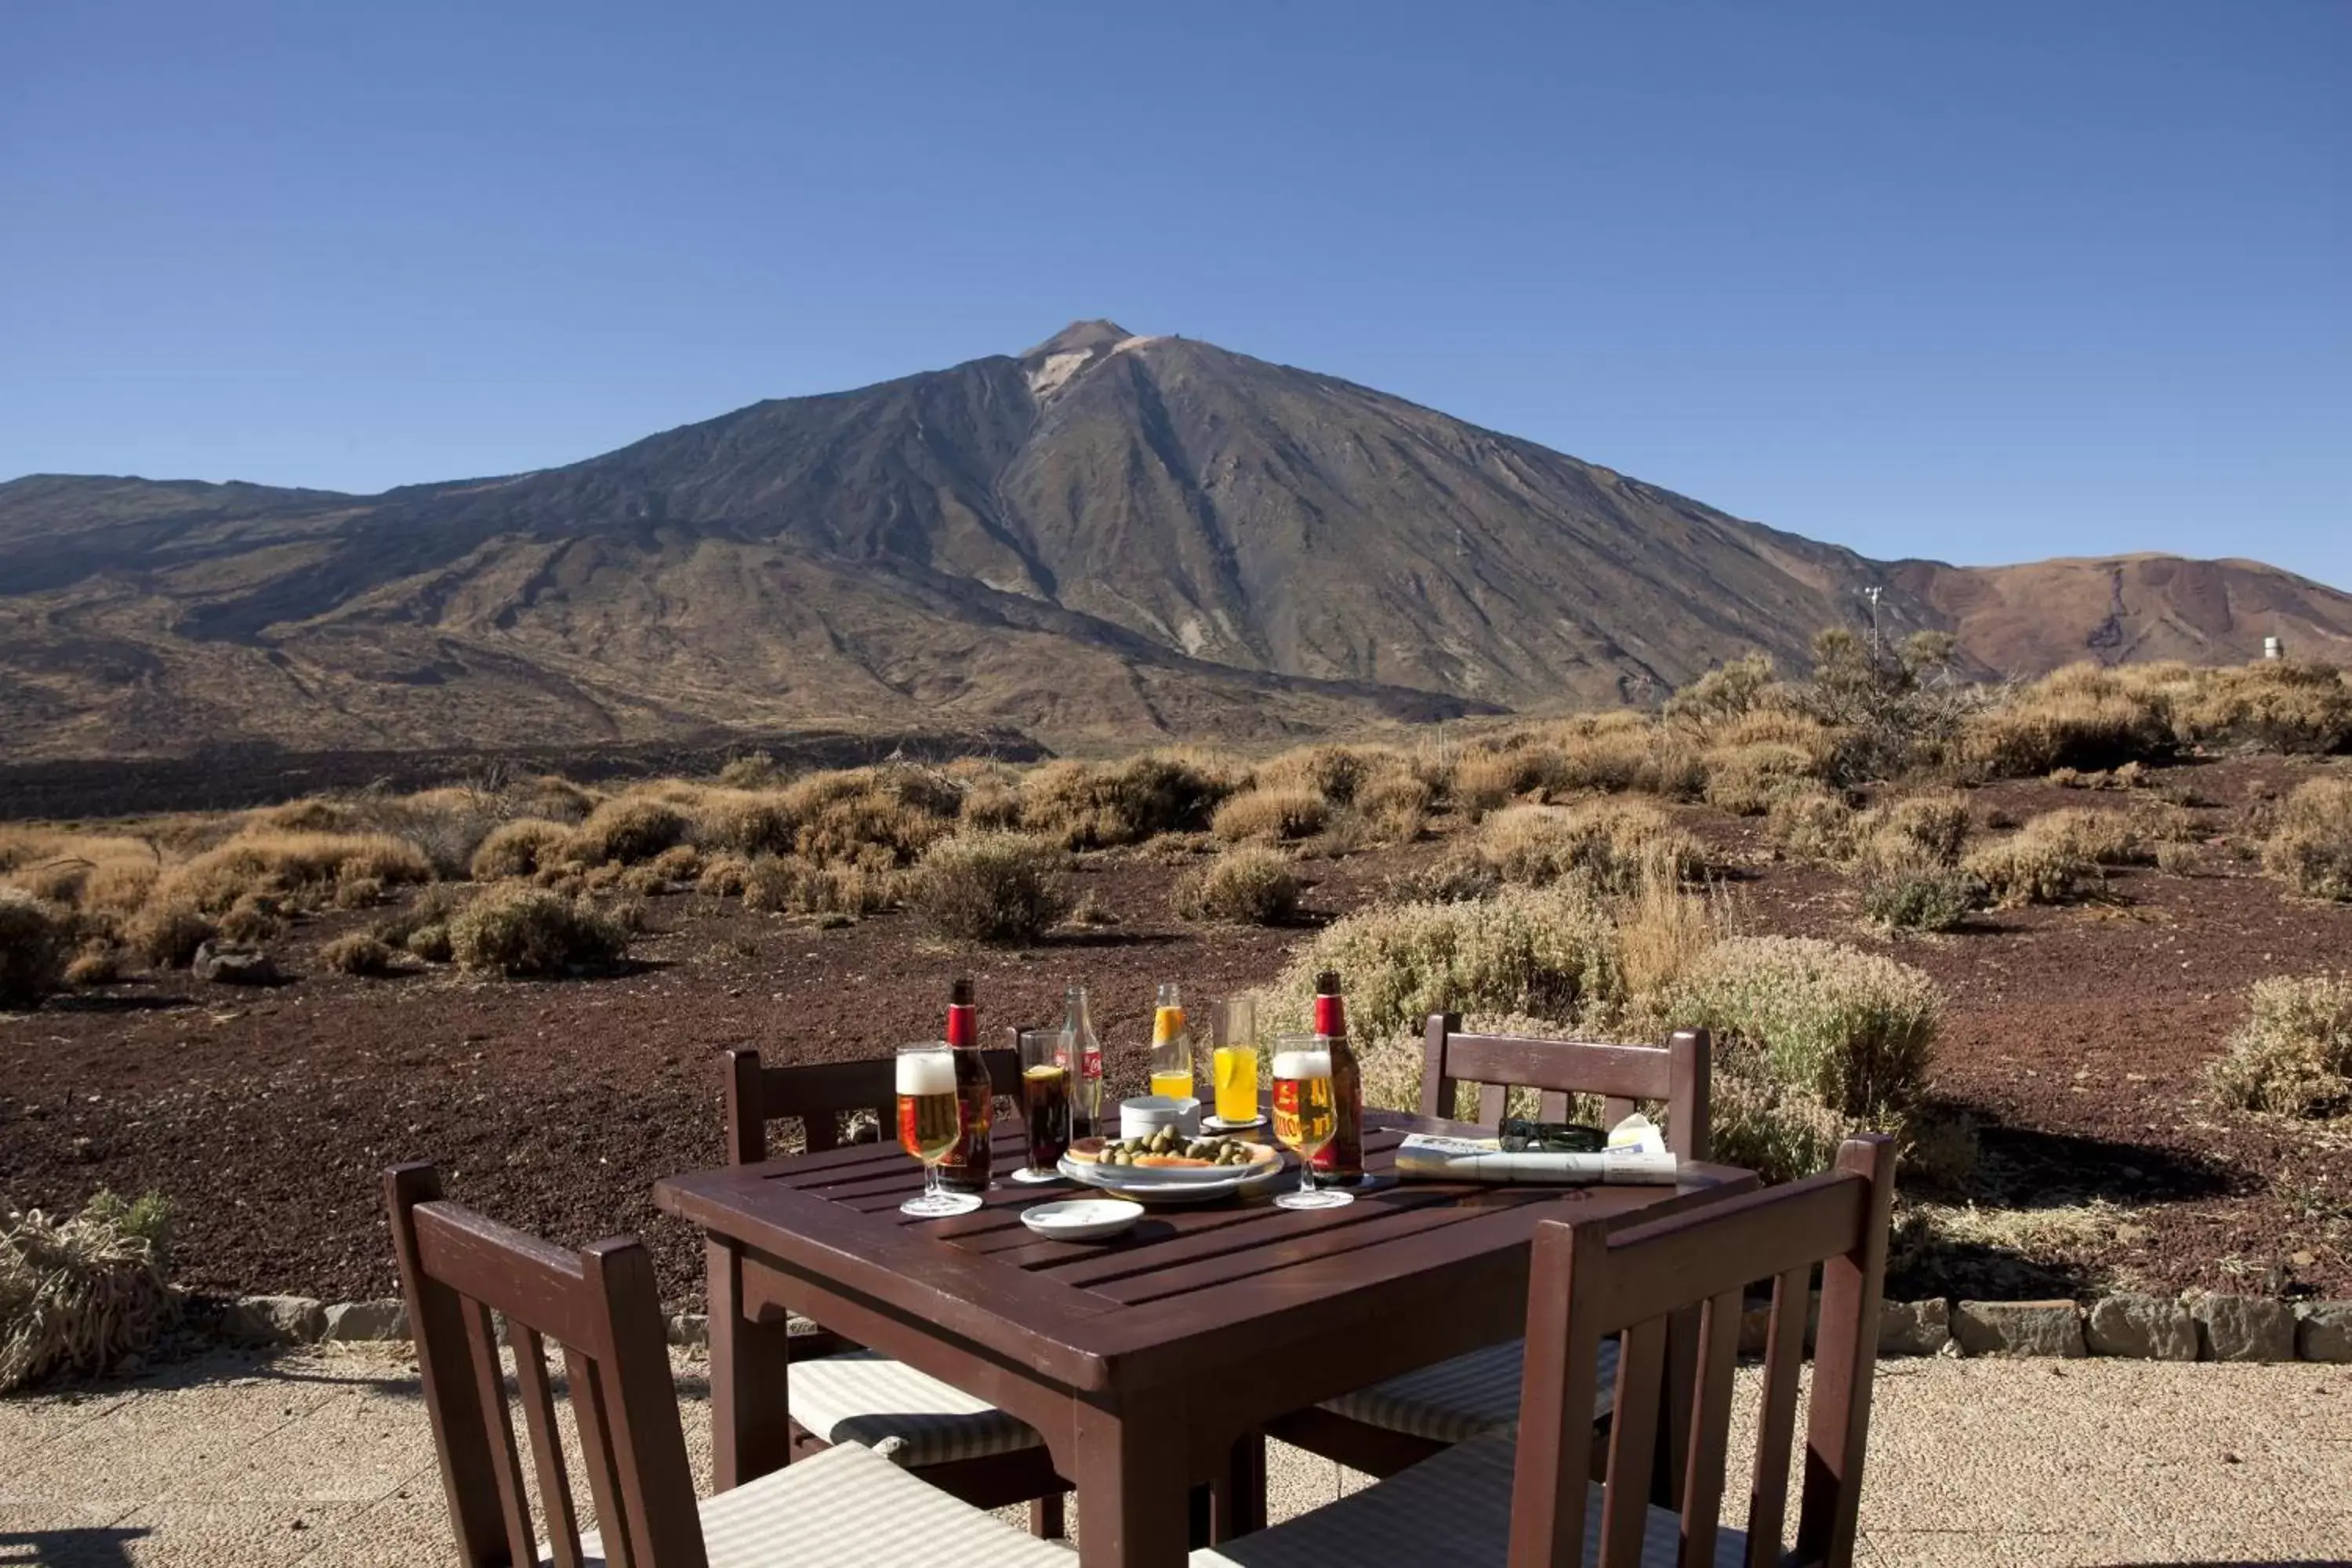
1307, 1175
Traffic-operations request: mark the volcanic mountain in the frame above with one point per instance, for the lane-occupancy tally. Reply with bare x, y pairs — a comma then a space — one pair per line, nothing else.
1107, 537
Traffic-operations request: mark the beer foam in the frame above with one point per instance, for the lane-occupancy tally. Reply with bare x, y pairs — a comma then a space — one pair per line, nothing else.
1302, 1064
927, 1072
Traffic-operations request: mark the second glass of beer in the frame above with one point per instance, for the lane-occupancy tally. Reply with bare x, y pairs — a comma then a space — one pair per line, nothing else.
929, 1122
1045, 1100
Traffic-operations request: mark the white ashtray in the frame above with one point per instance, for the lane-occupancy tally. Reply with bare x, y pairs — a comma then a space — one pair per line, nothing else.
1148, 1113
1082, 1219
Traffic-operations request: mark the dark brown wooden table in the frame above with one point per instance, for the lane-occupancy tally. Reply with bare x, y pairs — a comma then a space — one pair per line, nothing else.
1144, 1361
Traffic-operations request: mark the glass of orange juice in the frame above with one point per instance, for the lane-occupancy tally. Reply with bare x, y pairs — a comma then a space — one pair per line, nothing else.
1233, 1028
1172, 1047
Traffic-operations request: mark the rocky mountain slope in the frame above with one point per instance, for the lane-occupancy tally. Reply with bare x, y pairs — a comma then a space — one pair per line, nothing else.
1108, 536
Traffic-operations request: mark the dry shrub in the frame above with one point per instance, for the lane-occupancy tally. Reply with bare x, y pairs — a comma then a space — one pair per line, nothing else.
678, 863
642, 882
517, 930
1487, 780
2275, 705
2293, 1053
1626, 757
601, 879
299, 867
358, 892
991, 804
1814, 824
555, 798
2310, 847
1728, 693
98, 963
253, 919
423, 927
1746, 779
1292, 812
1395, 806
1090, 806
521, 848
1918, 892
119, 887
630, 830
167, 932
723, 875
1662, 928
1607, 841
2080, 716
789, 885
358, 952
2177, 859
1249, 885
36, 937
1457, 877
1814, 1040
1936, 824
747, 822
897, 810
756, 771
78, 1296
2027, 869
1547, 952
991, 887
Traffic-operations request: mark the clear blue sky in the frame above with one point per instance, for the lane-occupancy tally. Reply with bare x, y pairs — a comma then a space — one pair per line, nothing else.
1979, 282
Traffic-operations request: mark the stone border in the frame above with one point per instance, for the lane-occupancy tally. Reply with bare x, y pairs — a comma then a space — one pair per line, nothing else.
2196, 1327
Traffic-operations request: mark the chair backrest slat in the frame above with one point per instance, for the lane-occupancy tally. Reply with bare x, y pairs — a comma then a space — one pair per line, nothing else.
819, 1096
1776, 1422
603, 1305
506, 1466
546, 1446
1676, 1073
1642, 1280
1632, 1443
588, 1408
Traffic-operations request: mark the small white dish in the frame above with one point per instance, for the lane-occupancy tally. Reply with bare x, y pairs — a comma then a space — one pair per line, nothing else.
1148, 1113
1082, 1219
1219, 1124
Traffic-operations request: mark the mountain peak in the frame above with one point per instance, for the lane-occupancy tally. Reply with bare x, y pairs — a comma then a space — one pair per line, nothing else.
1079, 337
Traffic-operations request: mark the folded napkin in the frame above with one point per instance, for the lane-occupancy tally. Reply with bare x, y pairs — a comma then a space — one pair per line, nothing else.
1636, 1156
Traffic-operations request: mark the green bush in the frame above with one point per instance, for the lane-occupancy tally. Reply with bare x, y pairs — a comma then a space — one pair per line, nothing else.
522, 931
1852, 1029
2310, 849
991, 887
1920, 894
2293, 1053
37, 939
1249, 884
1546, 952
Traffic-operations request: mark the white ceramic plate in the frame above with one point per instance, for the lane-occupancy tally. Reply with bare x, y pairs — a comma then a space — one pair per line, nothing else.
1179, 1185
1082, 1219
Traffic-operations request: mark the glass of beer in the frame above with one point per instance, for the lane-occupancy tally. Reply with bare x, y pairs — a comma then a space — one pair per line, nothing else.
1045, 1096
1233, 1059
1306, 1115
929, 1122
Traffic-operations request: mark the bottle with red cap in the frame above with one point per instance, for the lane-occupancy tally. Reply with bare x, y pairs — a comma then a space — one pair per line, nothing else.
966, 1167
1341, 1161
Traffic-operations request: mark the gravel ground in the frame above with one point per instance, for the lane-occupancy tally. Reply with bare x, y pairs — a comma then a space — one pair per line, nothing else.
324, 1457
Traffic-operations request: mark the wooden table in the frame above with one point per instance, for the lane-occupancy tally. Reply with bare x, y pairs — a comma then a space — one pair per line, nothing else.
1143, 1361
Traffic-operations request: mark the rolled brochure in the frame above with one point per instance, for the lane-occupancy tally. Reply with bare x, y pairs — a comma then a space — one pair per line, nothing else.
1424, 1157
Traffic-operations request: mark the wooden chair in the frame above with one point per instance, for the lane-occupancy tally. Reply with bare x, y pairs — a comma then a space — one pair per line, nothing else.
600, 1304
1385, 1428
1529, 1499
838, 1392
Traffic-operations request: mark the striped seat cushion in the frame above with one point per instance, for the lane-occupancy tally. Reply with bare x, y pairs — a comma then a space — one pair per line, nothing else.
905, 1416
1453, 1508
1457, 1400
845, 1505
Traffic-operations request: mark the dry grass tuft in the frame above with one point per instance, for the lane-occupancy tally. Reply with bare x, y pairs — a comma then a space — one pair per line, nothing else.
98, 963
779, 884
1395, 806
296, 868
78, 1296
1814, 824
1249, 884
2274, 705
1747, 778
2310, 847
991, 887
1663, 929
522, 931
2293, 1053
629, 829
2081, 717
167, 932
1096, 806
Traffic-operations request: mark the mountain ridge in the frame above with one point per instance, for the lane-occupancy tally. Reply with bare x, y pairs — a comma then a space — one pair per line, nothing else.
1107, 536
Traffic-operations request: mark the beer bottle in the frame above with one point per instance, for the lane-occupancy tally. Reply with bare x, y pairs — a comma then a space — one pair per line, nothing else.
966, 1167
1341, 1159
1082, 1053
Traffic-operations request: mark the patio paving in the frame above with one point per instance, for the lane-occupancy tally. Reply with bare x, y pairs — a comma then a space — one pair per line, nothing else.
323, 1457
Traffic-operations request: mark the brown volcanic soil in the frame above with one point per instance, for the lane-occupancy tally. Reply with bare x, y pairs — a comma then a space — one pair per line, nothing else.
2077, 1036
